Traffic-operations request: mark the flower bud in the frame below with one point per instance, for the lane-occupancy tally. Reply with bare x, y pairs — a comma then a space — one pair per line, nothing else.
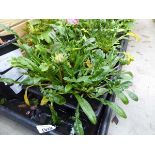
72, 21
59, 58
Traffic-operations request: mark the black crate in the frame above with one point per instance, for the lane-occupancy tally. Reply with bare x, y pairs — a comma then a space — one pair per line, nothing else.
102, 112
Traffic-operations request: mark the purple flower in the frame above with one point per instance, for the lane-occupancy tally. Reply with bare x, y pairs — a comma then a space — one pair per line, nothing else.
72, 21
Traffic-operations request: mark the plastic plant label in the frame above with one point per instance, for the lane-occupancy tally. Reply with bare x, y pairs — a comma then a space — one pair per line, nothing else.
16, 88
6, 58
45, 128
22, 78
13, 73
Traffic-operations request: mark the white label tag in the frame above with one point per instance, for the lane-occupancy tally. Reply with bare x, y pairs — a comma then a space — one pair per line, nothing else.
16, 88
45, 128
5, 59
13, 73
22, 78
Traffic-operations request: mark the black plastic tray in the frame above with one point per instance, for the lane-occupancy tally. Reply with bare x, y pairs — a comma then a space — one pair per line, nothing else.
5, 90
8, 46
102, 126
100, 129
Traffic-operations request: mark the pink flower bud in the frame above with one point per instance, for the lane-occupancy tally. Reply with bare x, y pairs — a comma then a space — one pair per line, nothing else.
72, 21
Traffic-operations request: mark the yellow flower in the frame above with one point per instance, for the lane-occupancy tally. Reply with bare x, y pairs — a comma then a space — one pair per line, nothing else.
89, 64
84, 30
59, 58
128, 57
134, 35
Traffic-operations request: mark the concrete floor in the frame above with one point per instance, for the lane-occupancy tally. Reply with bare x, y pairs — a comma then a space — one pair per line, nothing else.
141, 115
9, 127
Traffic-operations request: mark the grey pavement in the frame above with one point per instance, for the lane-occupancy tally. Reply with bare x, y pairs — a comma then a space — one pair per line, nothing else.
141, 115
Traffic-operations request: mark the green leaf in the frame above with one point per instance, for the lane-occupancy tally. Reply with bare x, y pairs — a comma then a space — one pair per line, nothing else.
52, 96
107, 69
54, 117
32, 80
89, 41
118, 110
44, 67
84, 79
8, 29
41, 48
68, 87
123, 98
69, 79
129, 73
59, 99
23, 62
126, 75
45, 36
87, 109
7, 80
126, 84
101, 91
78, 128
2, 101
132, 95
25, 47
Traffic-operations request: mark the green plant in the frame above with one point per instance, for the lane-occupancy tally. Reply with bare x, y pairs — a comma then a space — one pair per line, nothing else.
106, 33
78, 59
2, 101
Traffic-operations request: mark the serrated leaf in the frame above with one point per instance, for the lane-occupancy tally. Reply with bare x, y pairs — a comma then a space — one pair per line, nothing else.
32, 80
24, 47
24, 63
8, 29
45, 36
54, 117
41, 48
44, 67
132, 95
87, 109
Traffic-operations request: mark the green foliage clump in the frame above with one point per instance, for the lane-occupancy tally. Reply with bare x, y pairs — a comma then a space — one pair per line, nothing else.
78, 59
